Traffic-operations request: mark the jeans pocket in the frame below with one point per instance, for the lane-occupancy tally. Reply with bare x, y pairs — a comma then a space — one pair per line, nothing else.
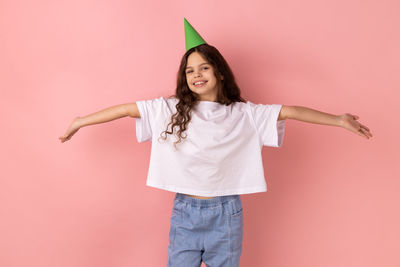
176, 220
236, 229
237, 213
178, 206
234, 208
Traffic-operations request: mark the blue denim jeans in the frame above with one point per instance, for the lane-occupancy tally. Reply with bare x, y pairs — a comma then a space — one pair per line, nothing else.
208, 230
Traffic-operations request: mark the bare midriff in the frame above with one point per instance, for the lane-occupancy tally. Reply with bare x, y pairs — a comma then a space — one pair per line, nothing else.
199, 197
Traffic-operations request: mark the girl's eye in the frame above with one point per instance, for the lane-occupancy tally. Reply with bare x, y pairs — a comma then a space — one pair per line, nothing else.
205, 68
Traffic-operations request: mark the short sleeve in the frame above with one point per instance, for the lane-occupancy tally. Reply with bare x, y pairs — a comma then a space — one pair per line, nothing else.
150, 111
270, 130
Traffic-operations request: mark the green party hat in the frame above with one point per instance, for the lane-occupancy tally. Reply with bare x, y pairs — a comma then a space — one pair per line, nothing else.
192, 37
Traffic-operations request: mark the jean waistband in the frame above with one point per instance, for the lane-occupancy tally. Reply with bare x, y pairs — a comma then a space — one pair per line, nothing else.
206, 202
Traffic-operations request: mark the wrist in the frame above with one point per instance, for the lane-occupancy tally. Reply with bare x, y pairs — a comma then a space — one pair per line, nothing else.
340, 120
80, 122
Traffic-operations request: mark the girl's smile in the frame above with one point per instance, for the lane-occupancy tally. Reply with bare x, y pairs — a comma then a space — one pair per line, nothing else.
199, 83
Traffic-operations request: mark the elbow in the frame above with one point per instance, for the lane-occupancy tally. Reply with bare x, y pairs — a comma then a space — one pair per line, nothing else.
132, 110
284, 113
289, 112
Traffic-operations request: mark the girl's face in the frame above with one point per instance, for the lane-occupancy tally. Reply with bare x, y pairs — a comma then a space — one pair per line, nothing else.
200, 77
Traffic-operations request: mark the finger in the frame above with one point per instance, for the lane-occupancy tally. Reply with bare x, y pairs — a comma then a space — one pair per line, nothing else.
365, 133
366, 130
365, 127
361, 133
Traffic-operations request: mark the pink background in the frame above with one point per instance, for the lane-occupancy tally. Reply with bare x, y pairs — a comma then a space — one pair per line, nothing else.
333, 197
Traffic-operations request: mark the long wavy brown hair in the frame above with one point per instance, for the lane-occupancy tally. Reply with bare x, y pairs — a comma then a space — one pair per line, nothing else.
228, 90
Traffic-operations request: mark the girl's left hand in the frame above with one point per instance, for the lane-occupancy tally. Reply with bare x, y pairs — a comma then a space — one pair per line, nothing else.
350, 122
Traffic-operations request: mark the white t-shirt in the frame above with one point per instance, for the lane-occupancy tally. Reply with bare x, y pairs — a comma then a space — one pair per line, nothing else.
221, 154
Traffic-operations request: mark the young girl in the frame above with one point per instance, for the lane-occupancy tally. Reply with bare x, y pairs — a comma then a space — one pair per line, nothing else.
216, 154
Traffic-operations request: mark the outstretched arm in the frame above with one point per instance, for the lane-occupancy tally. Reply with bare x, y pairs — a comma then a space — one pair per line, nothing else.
347, 120
102, 116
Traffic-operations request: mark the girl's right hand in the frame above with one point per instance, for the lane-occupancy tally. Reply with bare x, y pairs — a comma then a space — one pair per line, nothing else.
73, 128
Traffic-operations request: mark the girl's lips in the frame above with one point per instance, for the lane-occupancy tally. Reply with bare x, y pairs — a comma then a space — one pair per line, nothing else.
199, 85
